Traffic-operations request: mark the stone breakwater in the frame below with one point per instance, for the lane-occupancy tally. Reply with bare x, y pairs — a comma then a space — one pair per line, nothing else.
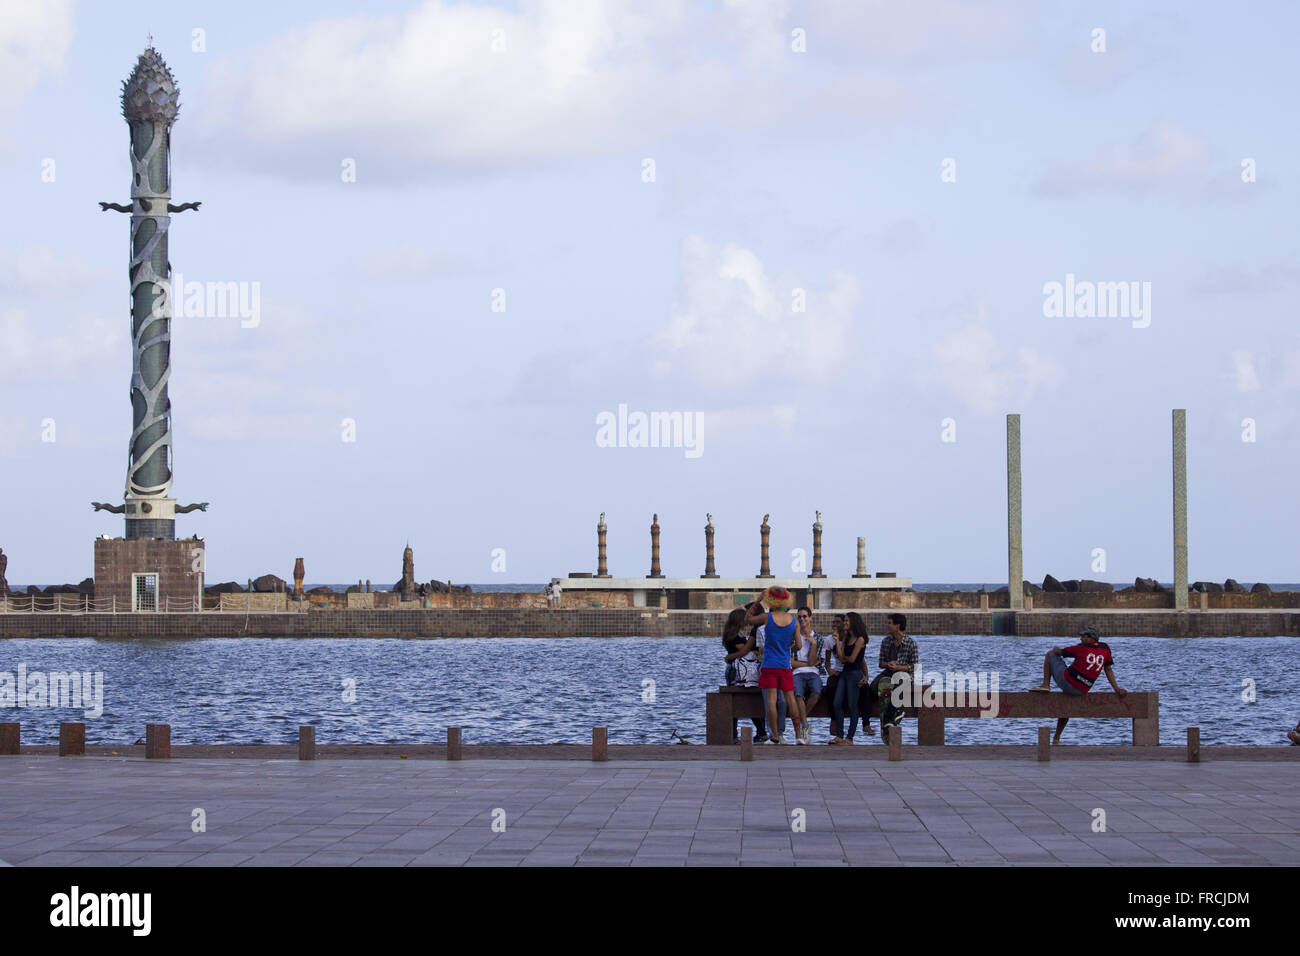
633, 622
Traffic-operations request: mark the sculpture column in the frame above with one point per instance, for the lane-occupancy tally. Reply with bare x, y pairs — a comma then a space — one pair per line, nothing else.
1180, 509
1015, 555
709, 571
602, 569
654, 550
817, 548
765, 531
298, 575
862, 559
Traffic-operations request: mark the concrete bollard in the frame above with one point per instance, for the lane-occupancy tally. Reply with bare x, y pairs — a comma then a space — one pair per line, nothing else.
72, 740
1029, 601
746, 743
1044, 744
1205, 601
1193, 744
9, 738
984, 602
306, 743
158, 741
895, 742
453, 743
599, 739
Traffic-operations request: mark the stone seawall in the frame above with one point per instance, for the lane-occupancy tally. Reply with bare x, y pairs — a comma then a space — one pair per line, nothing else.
635, 622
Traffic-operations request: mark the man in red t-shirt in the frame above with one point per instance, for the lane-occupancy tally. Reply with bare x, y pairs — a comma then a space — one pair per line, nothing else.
1091, 659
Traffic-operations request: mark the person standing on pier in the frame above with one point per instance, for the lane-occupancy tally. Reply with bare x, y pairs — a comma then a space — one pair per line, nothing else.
780, 641
807, 677
852, 645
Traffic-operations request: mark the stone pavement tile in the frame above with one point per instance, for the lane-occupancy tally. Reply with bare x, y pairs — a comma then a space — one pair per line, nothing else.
376, 858
53, 858
666, 861
220, 858
163, 859
549, 859
275, 859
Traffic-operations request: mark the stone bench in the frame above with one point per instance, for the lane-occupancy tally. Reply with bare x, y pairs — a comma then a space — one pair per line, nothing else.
743, 703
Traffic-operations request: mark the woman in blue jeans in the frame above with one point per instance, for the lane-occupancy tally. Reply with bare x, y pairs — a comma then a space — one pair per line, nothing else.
850, 648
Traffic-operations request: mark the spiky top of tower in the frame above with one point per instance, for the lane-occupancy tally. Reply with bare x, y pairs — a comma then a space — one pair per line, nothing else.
150, 94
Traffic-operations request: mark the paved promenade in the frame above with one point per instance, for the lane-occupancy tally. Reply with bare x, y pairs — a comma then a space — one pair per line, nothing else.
107, 811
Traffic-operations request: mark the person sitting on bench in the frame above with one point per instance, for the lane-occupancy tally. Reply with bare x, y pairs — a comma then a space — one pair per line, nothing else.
1091, 658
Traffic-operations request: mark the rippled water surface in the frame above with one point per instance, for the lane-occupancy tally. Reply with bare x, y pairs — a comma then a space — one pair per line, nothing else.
504, 690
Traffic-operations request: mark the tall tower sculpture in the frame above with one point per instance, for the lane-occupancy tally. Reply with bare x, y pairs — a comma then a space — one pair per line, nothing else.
150, 103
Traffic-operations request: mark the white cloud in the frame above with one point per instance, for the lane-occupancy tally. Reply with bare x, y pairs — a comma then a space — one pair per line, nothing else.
735, 322
1165, 155
407, 95
974, 367
34, 42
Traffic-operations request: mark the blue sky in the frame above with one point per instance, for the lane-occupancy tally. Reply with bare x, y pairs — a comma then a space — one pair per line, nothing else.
520, 168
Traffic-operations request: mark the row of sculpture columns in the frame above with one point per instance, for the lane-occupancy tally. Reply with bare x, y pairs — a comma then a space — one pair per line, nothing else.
765, 538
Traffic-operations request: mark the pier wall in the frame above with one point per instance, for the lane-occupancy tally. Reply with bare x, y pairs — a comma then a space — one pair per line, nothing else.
636, 622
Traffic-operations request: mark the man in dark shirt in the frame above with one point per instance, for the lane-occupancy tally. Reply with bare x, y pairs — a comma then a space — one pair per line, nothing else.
898, 655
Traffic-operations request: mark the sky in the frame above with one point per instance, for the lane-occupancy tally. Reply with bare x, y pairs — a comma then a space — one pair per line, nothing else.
824, 233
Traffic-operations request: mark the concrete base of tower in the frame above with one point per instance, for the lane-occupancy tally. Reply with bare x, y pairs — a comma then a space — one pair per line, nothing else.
149, 574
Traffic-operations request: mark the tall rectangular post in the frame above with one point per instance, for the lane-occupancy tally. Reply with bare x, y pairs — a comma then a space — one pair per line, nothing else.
1015, 554
1180, 509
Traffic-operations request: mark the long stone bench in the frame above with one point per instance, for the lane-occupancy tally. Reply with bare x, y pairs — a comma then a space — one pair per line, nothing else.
742, 703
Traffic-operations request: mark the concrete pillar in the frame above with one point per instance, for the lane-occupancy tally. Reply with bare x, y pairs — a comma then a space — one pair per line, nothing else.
602, 566
817, 548
306, 743
862, 559
765, 536
72, 740
709, 570
1015, 553
1180, 509
655, 572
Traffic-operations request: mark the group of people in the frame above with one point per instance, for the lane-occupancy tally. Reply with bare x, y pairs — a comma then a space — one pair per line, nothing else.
776, 650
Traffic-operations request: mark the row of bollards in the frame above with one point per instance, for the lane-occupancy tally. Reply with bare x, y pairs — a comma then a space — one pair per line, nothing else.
158, 742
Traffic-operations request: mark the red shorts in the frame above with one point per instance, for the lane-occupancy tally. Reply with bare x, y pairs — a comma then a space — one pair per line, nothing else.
777, 678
